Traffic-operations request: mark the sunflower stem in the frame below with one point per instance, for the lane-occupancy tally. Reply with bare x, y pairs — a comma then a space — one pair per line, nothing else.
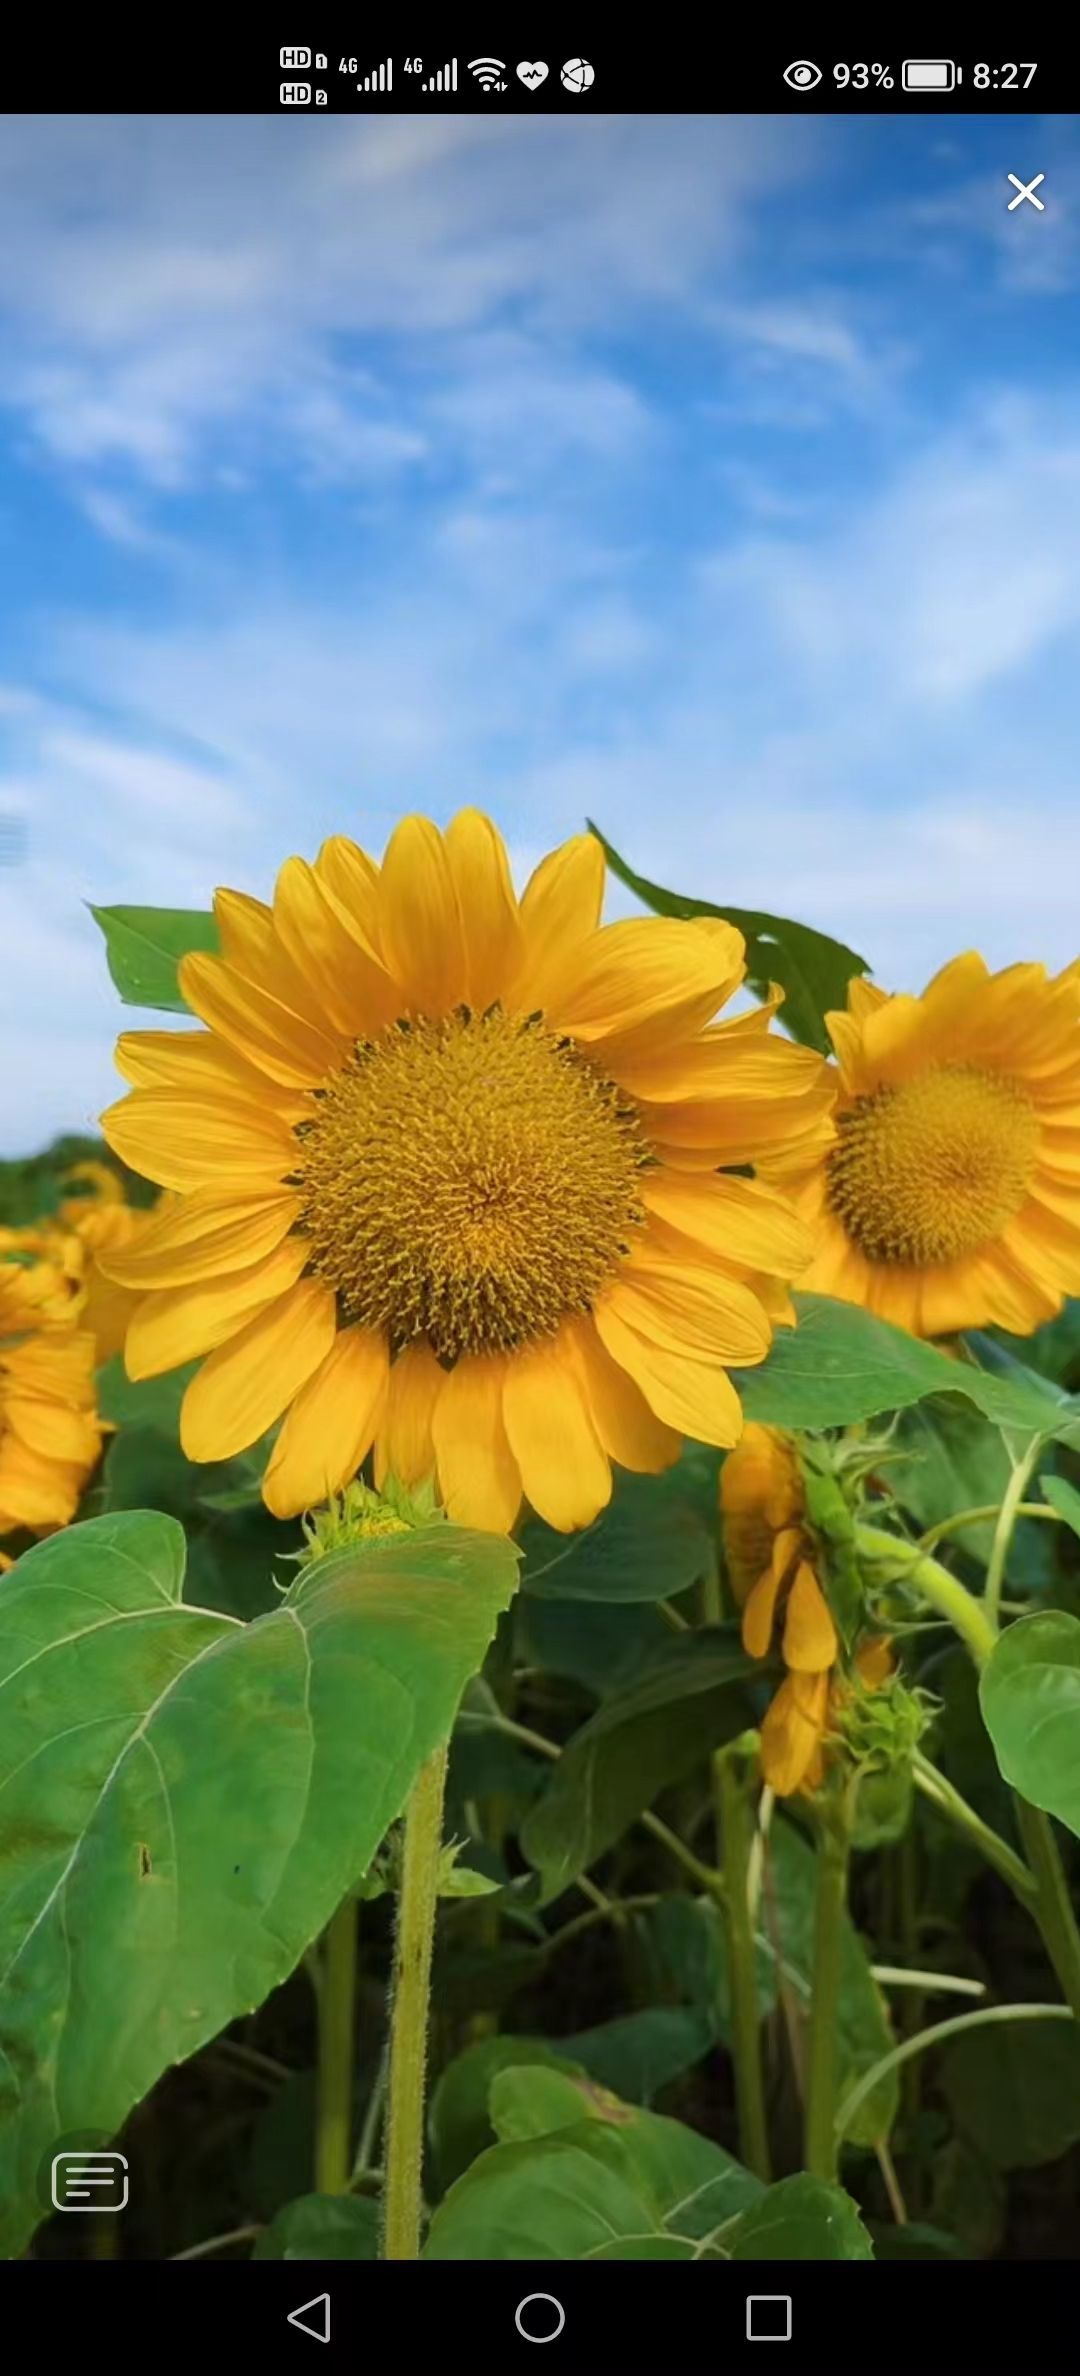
737, 1834
1003, 1531
834, 1850
894, 1561
1053, 1905
337, 2015
413, 1948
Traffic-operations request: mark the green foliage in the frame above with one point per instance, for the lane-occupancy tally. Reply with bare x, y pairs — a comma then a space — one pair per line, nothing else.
1030, 1695
322, 2227
656, 1538
1014, 2091
684, 1701
187, 1799
842, 1364
813, 970
802, 2218
144, 945
32, 1186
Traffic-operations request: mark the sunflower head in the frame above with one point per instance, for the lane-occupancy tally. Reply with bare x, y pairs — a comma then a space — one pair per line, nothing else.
50, 1436
462, 1178
950, 1197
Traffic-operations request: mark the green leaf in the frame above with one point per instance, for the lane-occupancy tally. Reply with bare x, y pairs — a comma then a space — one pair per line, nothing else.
185, 1800
322, 2227
802, 2218
459, 2122
686, 1700
842, 1364
1014, 2091
639, 2053
814, 970
656, 1538
549, 2199
530, 2100
956, 1459
144, 947
142, 1402
1029, 1691
574, 2193
1063, 1498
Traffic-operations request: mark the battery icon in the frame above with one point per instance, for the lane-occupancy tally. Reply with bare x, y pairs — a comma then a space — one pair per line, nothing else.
930, 74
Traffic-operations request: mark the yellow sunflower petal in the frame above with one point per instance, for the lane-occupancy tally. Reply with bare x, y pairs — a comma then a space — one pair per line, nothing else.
420, 917
53, 1429
37, 1490
637, 982
193, 1142
565, 1472
696, 1398
355, 993
690, 1308
330, 1426
203, 1237
405, 1448
489, 909
792, 1730
247, 1384
294, 1052
479, 1479
628, 1430
198, 1062
742, 1221
168, 1329
810, 1642
560, 908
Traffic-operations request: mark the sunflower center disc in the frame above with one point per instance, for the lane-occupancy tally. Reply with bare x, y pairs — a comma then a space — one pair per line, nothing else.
931, 1170
470, 1179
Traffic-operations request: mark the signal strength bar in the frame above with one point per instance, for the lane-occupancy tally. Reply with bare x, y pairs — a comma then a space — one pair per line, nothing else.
381, 79
444, 80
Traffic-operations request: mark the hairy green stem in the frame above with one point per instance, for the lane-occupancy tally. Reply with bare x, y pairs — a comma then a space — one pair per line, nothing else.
834, 1847
410, 2011
737, 1831
337, 2024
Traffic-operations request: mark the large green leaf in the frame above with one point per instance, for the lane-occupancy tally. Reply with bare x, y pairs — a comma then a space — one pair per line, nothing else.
688, 1698
1030, 1695
614, 2182
184, 1800
1014, 2091
814, 970
144, 947
842, 1364
656, 1538
322, 2227
802, 2218
952, 1458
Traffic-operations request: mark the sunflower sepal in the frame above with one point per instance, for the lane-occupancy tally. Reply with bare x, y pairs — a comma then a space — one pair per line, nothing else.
360, 1515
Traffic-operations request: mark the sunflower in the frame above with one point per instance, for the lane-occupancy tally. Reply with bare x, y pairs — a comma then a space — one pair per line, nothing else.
97, 1219
950, 1197
50, 1437
451, 1179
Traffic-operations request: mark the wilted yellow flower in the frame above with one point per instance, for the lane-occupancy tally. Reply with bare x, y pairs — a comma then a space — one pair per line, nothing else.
951, 1197
770, 1560
449, 1176
49, 1434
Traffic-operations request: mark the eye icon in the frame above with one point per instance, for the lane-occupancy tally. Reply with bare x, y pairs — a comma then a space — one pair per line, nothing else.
802, 76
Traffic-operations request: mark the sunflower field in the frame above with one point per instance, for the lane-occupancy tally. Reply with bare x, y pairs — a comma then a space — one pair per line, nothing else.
540, 1614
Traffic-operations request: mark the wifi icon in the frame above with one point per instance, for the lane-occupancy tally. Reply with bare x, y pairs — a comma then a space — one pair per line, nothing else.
489, 73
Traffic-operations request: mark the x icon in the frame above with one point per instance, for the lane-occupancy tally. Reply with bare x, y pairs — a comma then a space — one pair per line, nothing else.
1025, 190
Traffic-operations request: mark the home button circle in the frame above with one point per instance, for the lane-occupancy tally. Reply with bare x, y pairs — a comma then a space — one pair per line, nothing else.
540, 2318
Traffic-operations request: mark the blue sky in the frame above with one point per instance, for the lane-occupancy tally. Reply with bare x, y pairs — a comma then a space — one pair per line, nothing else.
716, 477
